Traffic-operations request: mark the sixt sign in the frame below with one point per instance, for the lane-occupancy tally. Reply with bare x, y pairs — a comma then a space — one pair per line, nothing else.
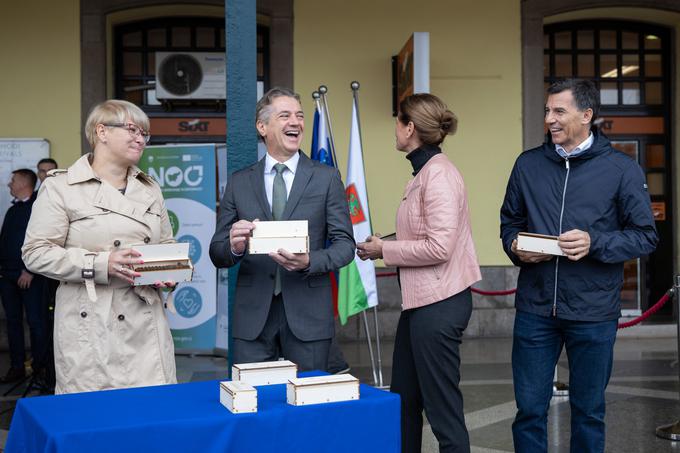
206, 126
193, 126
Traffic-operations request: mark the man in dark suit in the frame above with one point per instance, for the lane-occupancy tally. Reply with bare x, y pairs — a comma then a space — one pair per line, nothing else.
21, 290
45, 166
283, 304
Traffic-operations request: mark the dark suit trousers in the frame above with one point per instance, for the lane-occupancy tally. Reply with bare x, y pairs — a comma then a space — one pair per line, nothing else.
277, 340
15, 301
426, 372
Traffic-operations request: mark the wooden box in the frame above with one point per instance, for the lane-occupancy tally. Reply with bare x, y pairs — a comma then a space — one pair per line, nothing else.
264, 373
539, 243
238, 397
164, 263
290, 235
322, 389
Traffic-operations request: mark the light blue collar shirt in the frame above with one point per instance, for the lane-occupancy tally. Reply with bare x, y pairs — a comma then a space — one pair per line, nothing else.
580, 149
288, 174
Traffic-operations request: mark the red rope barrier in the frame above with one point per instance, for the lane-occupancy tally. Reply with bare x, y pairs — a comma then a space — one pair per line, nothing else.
653, 309
506, 292
387, 274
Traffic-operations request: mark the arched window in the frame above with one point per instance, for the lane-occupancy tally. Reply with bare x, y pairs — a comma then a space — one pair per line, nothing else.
136, 44
629, 61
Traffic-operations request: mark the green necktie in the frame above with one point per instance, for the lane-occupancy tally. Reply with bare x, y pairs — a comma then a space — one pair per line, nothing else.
278, 205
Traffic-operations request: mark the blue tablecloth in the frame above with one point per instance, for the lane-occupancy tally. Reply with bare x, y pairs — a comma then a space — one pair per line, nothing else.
190, 418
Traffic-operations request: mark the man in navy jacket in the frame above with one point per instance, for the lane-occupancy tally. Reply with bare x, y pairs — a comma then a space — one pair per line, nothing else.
19, 289
595, 199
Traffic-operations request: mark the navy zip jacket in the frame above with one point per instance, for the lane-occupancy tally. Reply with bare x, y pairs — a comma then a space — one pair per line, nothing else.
601, 191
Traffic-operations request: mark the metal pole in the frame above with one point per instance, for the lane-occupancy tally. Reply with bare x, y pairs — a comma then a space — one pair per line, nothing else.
560, 388
379, 380
672, 431
370, 347
377, 346
322, 91
316, 96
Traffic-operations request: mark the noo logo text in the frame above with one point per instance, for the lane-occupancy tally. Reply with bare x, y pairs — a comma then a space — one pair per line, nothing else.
174, 176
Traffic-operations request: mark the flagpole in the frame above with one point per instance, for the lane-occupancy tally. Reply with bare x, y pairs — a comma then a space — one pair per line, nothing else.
355, 94
323, 89
369, 342
316, 96
377, 345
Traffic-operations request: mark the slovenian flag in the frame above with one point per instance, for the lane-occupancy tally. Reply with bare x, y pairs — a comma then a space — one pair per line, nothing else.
357, 286
321, 151
321, 142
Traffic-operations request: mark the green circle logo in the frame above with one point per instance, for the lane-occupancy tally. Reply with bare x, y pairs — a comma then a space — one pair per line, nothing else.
174, 222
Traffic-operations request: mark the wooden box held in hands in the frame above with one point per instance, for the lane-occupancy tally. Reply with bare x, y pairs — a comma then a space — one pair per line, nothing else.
163, 263
238, 397
322, 389
539, 243
290, 235
264, 373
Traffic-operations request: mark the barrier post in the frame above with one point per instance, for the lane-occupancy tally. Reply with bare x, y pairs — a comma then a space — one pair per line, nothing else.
672, 431
560, 389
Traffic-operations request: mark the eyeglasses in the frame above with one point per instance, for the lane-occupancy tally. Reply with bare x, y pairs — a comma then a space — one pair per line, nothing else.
133, 129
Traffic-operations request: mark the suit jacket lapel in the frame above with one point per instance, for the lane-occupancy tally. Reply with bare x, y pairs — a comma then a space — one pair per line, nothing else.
302, 177
257, 183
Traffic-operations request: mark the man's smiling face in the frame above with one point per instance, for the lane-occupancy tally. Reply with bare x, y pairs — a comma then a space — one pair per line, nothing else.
282, 133
568, 125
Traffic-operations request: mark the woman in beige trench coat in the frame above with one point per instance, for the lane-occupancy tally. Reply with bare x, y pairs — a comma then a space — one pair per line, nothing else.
107, 333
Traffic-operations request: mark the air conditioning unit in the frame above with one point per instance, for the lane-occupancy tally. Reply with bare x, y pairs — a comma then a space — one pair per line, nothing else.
191, 75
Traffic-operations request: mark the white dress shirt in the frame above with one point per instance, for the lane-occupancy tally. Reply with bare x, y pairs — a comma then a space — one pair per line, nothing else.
581, 148
288, 174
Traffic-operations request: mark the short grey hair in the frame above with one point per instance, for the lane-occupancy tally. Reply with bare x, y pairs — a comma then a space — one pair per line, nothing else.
263, 109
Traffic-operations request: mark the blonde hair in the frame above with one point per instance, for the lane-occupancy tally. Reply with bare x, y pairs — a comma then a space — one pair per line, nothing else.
430, 116
113, 111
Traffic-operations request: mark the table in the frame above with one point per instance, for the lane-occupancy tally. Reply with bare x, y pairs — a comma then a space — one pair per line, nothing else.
189, 418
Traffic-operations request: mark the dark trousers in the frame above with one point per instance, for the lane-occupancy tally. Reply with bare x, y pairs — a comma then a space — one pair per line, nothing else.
426, 373
277, 340
31, 300
537, 344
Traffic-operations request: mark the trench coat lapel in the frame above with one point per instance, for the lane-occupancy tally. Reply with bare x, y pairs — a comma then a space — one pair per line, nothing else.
134, 204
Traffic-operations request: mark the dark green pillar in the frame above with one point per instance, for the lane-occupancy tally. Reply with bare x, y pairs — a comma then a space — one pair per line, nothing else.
241, 43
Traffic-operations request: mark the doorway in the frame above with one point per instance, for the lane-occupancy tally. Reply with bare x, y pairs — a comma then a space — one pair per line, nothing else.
630, 62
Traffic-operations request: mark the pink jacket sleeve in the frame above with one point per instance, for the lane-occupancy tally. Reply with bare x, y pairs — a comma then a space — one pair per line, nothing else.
442, 193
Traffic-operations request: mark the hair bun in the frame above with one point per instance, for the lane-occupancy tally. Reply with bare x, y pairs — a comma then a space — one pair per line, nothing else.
448, 122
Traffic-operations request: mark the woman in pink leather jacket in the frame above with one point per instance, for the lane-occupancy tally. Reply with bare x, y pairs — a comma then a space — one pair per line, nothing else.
437, 264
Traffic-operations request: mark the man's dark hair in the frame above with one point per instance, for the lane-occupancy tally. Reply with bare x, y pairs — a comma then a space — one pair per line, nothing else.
48, 160
28, 174
586, 95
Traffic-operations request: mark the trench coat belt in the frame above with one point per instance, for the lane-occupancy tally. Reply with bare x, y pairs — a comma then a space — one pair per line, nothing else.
88, 275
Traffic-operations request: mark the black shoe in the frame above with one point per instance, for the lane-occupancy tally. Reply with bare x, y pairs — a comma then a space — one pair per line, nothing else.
339, 369
13, 375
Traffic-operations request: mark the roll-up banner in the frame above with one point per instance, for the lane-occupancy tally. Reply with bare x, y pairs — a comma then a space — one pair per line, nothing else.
187, 176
